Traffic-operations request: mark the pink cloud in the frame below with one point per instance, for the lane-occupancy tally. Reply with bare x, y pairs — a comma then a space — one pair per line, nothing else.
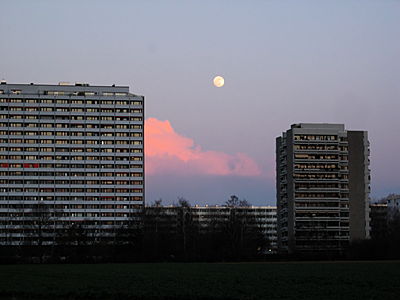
168, 152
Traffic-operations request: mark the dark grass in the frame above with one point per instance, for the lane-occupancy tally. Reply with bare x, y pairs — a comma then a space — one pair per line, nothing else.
291, 280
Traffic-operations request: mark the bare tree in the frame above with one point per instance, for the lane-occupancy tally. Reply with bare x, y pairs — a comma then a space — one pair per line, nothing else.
40, 225
182, 202
234, 201
186, 227
157, 203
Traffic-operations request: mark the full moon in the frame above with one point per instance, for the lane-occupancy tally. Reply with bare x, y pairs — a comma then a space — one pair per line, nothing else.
219, 81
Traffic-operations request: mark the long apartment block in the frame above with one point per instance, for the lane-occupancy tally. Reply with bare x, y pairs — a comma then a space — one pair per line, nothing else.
322, 187
69, 154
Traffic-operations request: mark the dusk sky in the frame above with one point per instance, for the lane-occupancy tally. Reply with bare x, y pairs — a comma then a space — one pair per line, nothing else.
284, 62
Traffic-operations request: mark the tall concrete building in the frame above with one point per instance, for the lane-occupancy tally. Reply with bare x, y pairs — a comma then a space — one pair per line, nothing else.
322, 188
69, 154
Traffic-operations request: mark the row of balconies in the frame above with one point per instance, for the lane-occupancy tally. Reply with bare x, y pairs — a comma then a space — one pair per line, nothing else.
75, 186
72, 138
80, 219
59, 209
9, 145
68, 172
317, 179
321, 198
322, 238
13, 107
32, 166
73, 151
9, 112
68, 129
67, 177
319, 208
21, 230
58, 147
50, 203
321, 219
69, 194
5, 107
320, 189
50, 117
315, 227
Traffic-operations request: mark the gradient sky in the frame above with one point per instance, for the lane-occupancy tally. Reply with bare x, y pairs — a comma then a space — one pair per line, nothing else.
283, 62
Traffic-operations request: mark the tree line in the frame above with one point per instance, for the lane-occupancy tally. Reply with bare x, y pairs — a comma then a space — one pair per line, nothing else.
384, 242
156, 234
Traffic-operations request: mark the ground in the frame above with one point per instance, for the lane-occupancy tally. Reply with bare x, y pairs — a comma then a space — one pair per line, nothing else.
283, 280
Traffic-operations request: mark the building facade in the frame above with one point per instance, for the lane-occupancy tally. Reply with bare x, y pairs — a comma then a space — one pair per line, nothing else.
379, 214
322, 188
69, 154
393, 202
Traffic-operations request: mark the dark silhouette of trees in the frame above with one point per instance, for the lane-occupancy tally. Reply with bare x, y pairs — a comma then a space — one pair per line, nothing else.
187, 230
385, 242
40, 223
159, 236
246, 238
234, 201
159, 233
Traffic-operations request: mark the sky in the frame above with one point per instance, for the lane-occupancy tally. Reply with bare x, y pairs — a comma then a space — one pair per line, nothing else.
284, 62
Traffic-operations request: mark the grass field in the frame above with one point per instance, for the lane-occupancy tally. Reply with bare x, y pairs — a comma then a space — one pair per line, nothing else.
291, 280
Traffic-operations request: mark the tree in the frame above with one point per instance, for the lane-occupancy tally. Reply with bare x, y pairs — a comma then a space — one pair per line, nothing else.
159, 231
5, 231
74, 234
182, 202
40, 224
187, 230
234, 201
129, 240
246, 238
157, 203
393, 225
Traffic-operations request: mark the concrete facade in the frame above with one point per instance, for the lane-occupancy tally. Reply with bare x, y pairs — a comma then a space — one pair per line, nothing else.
322, 188
69, 154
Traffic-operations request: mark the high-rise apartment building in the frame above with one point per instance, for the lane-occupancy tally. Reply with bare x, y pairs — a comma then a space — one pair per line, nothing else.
69, 154
322, 187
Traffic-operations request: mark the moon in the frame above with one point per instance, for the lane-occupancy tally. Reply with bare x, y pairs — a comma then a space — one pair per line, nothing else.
219, 81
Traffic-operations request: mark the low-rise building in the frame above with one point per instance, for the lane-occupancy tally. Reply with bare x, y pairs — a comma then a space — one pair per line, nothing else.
379, 220
393, 201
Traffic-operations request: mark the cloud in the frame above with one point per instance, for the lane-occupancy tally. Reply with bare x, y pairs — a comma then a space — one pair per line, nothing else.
168, 152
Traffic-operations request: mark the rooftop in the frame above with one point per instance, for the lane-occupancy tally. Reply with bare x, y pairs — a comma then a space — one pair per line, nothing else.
63, 89
318, 126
